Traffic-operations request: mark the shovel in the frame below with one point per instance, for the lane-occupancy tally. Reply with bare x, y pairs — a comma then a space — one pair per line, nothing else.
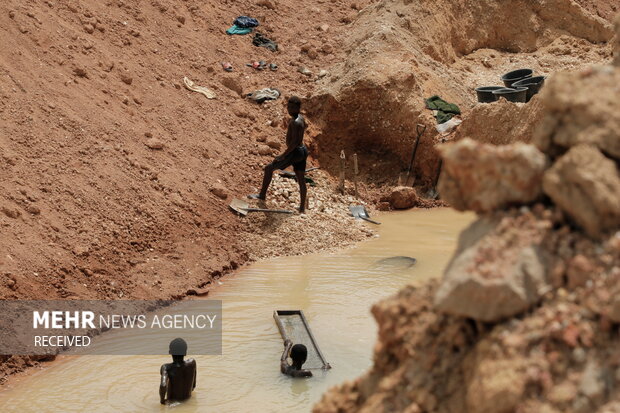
420, 129
432, 193
242, 208
359, 211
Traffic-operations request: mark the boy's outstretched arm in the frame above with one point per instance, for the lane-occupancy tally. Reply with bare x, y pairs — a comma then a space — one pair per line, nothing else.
287, 349
163, 385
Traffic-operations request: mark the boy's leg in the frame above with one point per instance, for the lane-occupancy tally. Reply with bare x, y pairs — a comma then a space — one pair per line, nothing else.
266, 182
301, 180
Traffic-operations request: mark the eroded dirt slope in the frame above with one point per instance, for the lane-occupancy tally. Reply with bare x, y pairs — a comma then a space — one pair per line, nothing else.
85, 86
87, 209
399, 52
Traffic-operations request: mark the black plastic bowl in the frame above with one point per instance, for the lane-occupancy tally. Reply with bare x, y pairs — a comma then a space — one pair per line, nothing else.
516, 75
485, 93
513, 95
533, 85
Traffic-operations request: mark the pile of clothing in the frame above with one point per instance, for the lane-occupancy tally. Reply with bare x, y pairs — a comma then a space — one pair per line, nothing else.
445, 110
262, 95
444, 113
262, 41
243, 25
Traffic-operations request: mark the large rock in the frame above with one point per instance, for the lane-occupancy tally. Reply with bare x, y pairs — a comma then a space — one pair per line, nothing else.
154, 143
496, 273
219, 191
614, 308
483, 177
581, 107
585, 185
264, 150
274, 143
403, 197
496, 385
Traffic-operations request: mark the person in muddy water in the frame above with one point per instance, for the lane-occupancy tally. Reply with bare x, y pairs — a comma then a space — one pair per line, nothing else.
178, 378
298, 353
295, 154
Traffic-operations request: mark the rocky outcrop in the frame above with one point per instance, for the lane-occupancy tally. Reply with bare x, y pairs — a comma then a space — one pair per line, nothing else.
483, 178
586, 185
403, 197
496, 272
579, 109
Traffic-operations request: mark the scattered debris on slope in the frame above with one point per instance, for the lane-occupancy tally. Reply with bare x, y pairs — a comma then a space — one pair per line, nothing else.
327, 224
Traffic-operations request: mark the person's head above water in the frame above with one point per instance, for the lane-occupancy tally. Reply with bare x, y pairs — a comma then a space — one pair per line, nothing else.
299, 353
294, 106
178, 348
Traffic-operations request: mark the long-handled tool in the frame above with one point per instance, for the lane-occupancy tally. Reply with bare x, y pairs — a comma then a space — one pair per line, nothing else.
289, 174
420, 129
242, 208
432, 193
359, 211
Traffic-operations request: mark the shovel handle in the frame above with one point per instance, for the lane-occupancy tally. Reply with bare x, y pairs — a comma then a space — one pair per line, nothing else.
275, 211
370, 220
420, 129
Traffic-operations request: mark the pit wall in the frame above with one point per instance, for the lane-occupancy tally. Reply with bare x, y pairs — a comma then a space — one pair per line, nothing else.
399, 52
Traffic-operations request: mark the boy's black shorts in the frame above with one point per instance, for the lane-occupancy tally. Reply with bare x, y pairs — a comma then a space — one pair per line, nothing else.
297, 158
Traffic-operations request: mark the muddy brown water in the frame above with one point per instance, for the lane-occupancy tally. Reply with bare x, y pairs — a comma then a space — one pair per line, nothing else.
335, 291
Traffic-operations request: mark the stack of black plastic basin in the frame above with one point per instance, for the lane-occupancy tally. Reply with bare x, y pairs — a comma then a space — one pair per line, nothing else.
519, 86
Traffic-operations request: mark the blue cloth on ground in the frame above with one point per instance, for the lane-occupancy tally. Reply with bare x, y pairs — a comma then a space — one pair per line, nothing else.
238, 30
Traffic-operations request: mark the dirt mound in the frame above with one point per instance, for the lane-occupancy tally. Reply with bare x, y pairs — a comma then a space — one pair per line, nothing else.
399, 52
502, 122
526, 316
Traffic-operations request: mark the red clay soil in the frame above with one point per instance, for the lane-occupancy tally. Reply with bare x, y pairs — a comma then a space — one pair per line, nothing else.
114, 178
87, 209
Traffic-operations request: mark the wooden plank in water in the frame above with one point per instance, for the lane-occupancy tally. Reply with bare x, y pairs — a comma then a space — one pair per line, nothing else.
294, 326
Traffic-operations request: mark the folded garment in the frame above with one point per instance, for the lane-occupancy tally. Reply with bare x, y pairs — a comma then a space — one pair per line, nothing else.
446, 127
238, 30
264, 94
245, 22
445, 110
261, 41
